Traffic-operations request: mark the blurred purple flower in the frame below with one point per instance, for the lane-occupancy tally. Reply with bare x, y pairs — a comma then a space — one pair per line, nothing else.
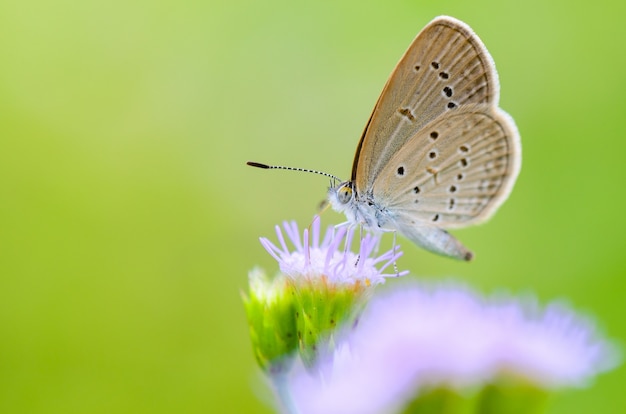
330, 258
416, 337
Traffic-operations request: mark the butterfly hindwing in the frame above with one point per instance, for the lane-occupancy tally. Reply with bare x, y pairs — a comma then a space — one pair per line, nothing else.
455, 171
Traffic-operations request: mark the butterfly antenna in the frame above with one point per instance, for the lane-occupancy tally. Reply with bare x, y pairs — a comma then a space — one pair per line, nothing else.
281, 167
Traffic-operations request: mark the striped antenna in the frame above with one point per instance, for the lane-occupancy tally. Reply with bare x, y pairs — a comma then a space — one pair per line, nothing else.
281, 167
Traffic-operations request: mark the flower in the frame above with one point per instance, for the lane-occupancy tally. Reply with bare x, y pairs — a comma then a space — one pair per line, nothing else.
271, 319
415, 339
322, 285
328, 259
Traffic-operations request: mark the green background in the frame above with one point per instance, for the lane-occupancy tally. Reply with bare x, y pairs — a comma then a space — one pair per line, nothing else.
128, 220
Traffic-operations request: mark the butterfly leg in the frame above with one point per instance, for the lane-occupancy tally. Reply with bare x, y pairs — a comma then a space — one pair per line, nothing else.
358, 257
377, 245
345, 223
395, 264
348, 240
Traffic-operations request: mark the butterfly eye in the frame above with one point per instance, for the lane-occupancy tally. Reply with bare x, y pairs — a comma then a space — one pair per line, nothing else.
344, 194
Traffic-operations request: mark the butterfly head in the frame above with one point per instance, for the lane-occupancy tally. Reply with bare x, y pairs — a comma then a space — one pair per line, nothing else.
342, 198
341, 195
344, 192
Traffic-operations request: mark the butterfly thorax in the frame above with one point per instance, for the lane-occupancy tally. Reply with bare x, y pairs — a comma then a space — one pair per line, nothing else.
359, 208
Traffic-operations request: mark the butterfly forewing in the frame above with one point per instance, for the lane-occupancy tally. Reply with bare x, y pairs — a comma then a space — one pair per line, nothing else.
453, 172
445, 67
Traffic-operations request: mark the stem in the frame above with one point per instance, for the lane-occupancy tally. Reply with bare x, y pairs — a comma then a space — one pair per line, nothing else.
283, 395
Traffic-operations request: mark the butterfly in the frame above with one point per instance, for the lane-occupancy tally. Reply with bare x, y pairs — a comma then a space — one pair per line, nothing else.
437, 152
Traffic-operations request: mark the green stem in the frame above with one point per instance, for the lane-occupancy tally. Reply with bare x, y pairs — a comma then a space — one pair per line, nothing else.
436, 401
511, 398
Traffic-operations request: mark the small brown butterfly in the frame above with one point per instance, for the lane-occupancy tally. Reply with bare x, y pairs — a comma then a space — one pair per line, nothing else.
437, 152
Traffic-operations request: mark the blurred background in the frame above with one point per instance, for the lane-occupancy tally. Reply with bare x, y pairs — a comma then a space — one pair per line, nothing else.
129, 221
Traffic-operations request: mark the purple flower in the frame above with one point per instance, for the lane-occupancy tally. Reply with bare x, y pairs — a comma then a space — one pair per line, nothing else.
410, 339
329, 257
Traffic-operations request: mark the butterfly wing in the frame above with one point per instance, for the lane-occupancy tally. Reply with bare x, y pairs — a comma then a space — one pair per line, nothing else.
435, 240
446, 66
454, 172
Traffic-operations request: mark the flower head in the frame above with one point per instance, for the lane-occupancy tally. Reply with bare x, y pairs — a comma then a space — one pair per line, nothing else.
271, 319
414, 339
330, 258
322, 285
